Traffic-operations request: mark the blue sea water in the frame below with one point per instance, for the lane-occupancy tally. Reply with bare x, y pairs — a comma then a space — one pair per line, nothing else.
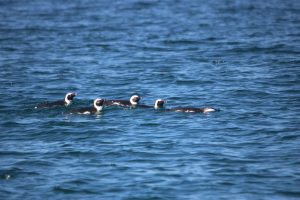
241, 57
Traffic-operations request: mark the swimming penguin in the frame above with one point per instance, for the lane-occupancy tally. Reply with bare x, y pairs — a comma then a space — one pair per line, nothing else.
66, 102
134, 100
97, 107
192, 110
159, 103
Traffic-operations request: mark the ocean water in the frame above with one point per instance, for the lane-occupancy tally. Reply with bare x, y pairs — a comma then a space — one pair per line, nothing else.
241, 57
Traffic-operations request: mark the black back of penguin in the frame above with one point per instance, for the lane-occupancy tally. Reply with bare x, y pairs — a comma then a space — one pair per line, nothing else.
192, 110
134, 100
96, 108
65, 102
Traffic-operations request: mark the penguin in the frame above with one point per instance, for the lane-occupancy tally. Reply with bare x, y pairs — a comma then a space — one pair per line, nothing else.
96, 109
159, 103
65, 102
192, 110
133, 101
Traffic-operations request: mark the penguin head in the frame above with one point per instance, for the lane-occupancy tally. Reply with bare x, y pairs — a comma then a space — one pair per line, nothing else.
159, 103
98, 104
69, 97
134, 100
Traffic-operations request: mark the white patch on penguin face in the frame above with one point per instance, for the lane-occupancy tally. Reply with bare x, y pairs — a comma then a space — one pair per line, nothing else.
69, 98
134, 100
98, 104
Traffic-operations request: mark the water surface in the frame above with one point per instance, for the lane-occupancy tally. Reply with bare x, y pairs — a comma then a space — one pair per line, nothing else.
240, 57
